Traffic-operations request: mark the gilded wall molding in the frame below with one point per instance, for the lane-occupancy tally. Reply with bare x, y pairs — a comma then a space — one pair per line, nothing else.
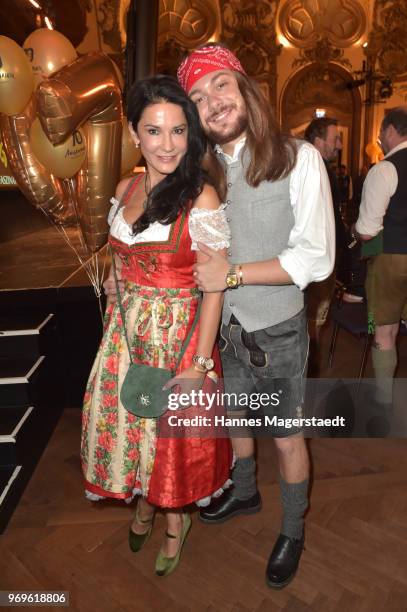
322, 53
304, 22
314, 88
249, 29
188, 22
107, 15
184, 25
387, 46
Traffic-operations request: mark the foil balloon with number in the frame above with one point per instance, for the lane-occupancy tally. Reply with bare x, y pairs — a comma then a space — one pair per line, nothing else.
19, 109
36, 182
63, 160
88, 90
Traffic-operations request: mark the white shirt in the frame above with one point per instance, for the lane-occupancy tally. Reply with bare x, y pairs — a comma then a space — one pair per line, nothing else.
379, 186
310, 253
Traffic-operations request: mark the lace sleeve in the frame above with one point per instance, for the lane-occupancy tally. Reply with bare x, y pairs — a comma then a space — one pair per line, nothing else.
209, 227
113, 209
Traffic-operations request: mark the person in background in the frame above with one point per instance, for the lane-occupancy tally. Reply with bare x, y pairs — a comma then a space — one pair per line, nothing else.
345, 188
384, 209
323, 133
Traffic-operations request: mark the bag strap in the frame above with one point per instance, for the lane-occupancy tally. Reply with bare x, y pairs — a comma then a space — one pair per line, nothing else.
118, 297
123, 316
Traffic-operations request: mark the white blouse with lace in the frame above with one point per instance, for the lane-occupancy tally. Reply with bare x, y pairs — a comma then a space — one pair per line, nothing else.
207, 226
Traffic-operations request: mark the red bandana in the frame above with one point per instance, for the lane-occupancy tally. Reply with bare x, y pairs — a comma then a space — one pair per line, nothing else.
203, 61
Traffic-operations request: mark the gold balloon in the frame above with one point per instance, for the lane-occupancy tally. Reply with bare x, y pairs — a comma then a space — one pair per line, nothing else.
16, 78
48, 51
130, 154
38, 185
88, 90
63, 160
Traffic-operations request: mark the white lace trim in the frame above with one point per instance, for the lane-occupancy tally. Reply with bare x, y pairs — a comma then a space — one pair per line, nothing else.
202, 503
120, 229
210, 227
205, 225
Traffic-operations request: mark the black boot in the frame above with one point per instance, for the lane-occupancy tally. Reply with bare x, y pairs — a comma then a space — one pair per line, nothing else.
226, 506
283, 561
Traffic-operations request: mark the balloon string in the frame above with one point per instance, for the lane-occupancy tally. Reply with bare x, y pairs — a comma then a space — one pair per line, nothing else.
86, 265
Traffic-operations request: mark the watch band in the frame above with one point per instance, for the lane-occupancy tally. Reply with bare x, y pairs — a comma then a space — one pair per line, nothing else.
206, 363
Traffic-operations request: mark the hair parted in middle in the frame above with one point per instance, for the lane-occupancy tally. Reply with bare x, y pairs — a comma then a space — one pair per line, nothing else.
198, 166
272, 153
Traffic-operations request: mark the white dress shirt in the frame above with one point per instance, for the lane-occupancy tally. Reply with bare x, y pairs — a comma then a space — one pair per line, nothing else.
379, 186
310, 252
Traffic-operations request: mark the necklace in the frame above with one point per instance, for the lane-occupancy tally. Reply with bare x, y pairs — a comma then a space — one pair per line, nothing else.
146, 192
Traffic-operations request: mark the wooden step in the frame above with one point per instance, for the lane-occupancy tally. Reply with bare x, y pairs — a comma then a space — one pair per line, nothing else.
11, 488
17, 377
26, 335
15, 434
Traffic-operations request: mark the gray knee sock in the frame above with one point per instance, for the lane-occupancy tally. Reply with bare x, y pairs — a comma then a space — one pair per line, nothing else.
244, 478
294, 499
384, 365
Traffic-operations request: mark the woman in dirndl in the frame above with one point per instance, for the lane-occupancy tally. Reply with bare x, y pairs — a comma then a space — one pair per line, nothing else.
156, 221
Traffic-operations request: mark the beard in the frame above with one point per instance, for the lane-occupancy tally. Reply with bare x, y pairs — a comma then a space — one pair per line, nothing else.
229, 132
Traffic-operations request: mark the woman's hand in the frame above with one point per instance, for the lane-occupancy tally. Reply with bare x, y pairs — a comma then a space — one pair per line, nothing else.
110, 289
187, 382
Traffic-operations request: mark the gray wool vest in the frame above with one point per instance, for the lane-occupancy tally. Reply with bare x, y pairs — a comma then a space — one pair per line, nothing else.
260, 220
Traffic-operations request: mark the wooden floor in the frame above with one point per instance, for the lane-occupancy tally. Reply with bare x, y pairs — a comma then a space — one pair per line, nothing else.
356, 539
356, 534
356, 530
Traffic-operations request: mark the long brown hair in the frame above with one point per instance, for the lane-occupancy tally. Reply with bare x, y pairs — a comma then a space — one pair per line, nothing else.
215, 172
272, 153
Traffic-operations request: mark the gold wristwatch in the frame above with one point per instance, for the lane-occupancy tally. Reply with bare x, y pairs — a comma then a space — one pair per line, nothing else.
206, 363
232, 278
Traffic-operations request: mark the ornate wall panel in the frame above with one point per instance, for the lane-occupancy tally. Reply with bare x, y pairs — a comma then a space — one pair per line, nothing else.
387, 48
184, 25
321, 53
111, 21
320, 85
248, 28
303, 22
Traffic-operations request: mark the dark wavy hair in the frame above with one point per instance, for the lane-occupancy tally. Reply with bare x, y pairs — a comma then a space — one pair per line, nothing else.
318, 128
180, 188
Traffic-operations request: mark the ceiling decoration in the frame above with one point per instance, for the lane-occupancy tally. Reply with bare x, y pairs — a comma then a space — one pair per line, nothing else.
184, 25
387, 48
304, 22
248, 28
18, 18
188, 22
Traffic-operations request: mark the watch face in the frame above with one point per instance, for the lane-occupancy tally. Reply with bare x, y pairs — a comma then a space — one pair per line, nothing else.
209, 364
231, 280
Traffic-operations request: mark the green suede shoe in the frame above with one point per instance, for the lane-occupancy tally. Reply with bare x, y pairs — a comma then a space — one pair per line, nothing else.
166, 565
137, 540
